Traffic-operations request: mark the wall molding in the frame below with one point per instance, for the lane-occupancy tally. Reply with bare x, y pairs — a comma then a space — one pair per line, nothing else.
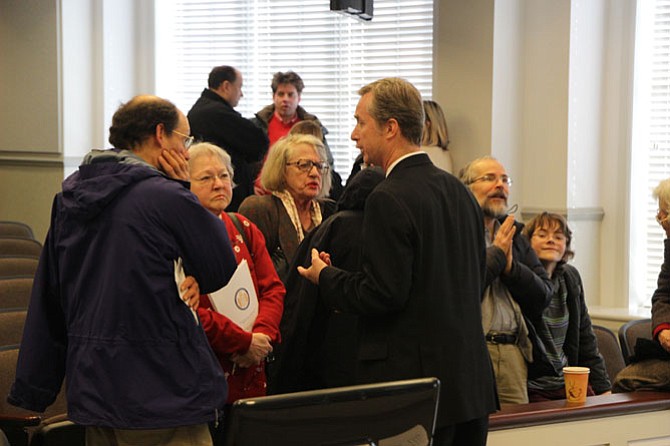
572, 214
21, 159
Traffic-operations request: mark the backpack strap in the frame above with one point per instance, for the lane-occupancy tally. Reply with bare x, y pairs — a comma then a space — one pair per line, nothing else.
240, 229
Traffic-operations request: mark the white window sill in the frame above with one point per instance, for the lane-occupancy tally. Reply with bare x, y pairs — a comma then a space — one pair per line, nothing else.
618, 314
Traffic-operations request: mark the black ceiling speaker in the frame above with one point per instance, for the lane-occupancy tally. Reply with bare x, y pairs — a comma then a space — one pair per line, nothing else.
361, 9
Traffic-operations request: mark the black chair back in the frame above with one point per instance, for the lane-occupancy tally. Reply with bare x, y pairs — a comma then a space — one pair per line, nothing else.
630, 332
366, 414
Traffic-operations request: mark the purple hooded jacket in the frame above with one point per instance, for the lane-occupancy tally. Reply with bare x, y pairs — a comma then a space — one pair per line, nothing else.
105, 311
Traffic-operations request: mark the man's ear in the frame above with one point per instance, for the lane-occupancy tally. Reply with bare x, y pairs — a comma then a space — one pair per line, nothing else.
160, 134
391, 127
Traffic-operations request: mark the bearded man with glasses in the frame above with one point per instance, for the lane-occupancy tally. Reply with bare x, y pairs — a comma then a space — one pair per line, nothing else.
517, 285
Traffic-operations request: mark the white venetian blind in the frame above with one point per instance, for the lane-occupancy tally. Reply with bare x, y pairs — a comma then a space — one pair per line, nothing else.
650, 159
334, 54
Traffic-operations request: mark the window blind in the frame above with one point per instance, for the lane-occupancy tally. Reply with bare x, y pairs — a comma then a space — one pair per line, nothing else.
335, 54
650, 158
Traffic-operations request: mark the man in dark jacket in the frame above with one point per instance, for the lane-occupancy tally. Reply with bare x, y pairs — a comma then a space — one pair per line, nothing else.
517, 285
213, 119
106, 311
318, 348
419, 288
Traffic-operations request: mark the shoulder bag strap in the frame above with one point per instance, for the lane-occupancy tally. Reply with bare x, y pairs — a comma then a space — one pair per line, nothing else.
240, 229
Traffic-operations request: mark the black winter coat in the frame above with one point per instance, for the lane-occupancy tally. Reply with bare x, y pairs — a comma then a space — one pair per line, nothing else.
213, 120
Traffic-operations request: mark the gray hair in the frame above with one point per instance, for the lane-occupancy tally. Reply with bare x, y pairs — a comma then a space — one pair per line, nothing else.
273, 175
467, 173
208, 149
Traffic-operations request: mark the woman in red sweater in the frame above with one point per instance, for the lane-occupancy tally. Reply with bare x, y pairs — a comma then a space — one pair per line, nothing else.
241, 353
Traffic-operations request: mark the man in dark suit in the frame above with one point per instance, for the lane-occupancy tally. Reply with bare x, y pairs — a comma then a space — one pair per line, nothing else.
419, 289
214, 119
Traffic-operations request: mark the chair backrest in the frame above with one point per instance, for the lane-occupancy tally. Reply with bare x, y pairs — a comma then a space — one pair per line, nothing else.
18, 420
11, 266
630, 332
11, 326
365, 414
15, 292
608, 345
20, 430
15, 246
15, 229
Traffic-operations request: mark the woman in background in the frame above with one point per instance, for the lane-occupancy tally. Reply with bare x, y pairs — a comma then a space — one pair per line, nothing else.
298, 176
436, 136
563, 335
241, 354
650, 367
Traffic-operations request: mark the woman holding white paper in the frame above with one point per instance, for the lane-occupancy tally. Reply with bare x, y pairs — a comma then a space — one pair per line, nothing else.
241, 353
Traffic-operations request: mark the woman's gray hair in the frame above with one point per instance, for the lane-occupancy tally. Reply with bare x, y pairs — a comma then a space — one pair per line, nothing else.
208, 149
662, 193
273, 175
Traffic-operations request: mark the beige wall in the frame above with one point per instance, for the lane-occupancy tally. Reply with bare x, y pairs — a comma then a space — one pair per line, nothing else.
31, 167
27, 194
463, 74
523, 81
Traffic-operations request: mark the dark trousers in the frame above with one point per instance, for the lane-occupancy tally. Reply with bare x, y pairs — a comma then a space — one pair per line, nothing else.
470, 433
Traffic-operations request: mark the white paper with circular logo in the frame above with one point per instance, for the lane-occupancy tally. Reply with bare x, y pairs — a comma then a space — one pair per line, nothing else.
238, 300
179, 277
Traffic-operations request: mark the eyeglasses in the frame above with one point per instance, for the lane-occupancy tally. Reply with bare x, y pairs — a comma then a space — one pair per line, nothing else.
188, 140
306, 166
210, 179
491, 178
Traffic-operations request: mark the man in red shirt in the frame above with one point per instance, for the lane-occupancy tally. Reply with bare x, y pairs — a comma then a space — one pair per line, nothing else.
277, 118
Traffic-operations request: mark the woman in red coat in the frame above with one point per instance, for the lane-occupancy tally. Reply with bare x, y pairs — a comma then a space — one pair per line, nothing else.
241, 353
